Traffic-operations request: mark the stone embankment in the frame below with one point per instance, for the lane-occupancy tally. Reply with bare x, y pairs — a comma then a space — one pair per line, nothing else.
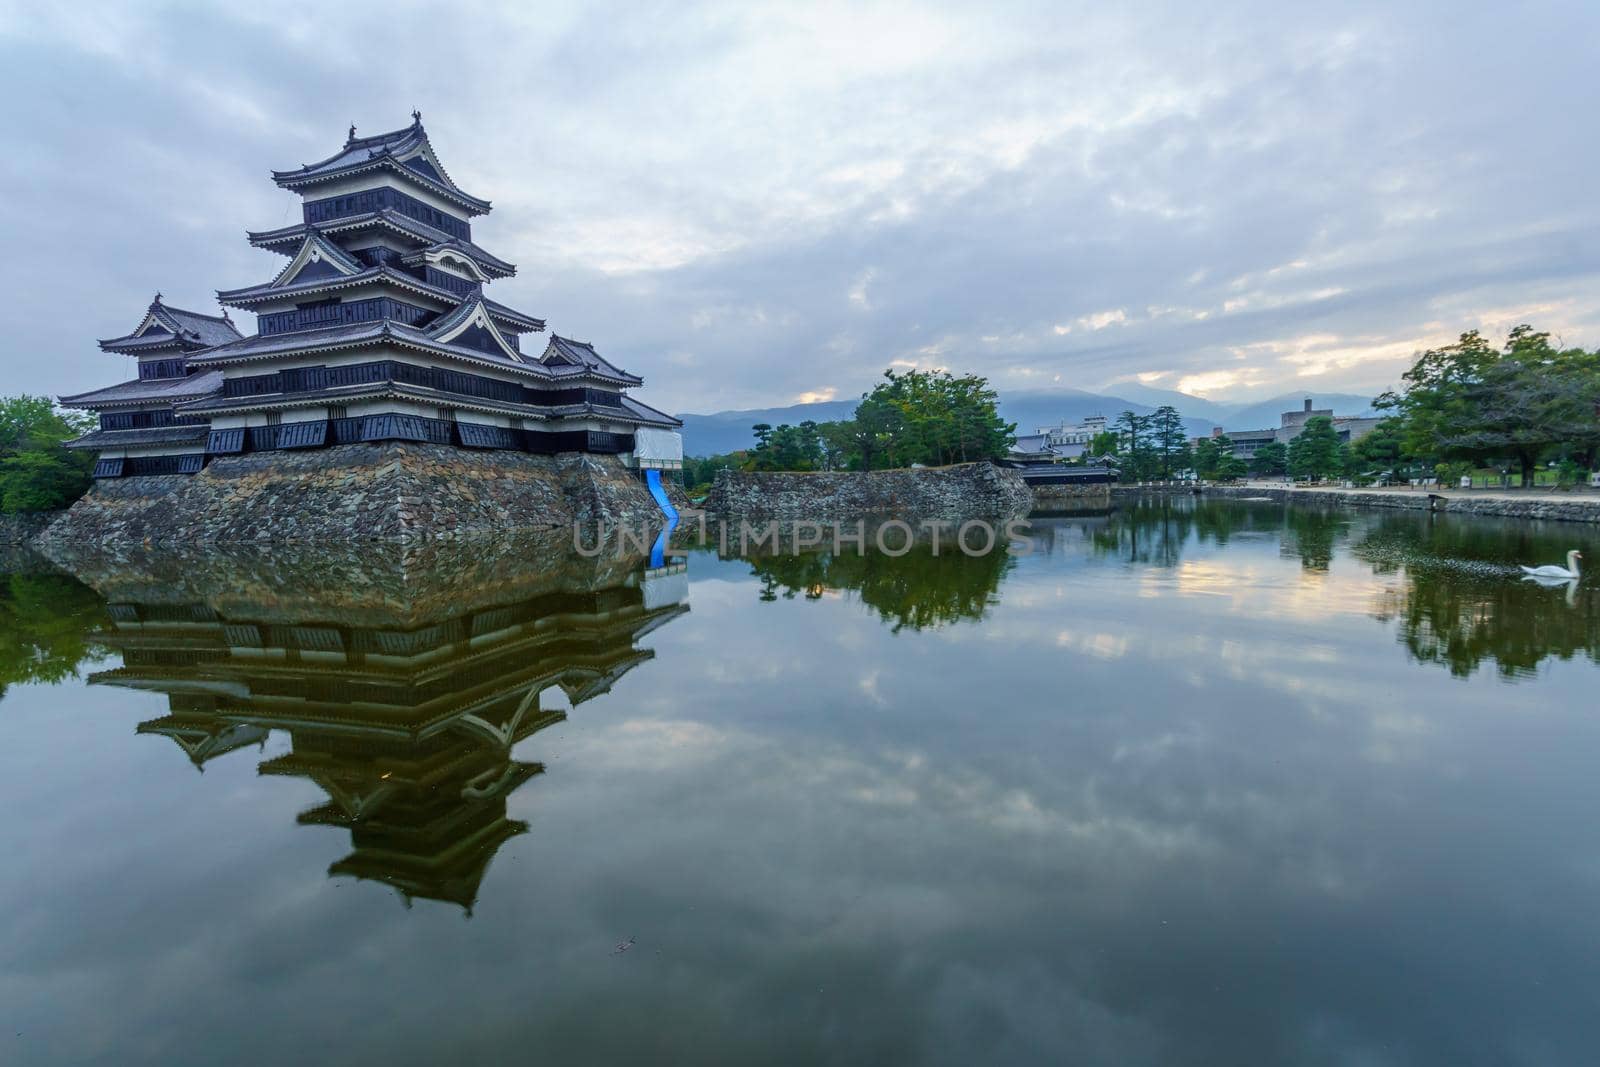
25, 527
396, 492
963, 491
399, 584
1512, 505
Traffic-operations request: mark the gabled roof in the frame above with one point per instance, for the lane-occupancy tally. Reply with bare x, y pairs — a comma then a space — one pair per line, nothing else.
405, 152
152, 390
564, 350
516, 320
440, 250
318, 257
255, 294
210, 329
471, 317
286, 239
164, 326
1034, 442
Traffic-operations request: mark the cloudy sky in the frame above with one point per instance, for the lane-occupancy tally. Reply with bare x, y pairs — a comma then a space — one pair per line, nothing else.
755, 205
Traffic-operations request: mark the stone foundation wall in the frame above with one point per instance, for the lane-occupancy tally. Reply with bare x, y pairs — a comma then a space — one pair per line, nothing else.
346, 582
24, 527
967, 490
371, 492
1578, 509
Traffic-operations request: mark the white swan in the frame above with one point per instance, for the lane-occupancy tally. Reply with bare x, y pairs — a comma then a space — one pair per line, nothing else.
1570, 571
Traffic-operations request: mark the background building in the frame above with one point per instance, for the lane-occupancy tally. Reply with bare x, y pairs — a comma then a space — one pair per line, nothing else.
1246, 443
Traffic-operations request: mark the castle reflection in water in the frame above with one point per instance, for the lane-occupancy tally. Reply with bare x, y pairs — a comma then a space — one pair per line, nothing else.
402, 695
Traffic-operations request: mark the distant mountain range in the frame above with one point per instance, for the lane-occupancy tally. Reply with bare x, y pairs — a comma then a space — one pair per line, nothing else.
727, 431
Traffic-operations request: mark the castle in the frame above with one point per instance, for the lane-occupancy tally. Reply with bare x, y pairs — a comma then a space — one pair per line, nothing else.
377, 330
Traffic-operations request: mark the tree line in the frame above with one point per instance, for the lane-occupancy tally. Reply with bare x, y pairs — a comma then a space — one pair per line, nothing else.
932, 418
1461, 407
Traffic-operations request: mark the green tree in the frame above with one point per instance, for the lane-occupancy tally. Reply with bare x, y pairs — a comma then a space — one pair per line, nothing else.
1316, 452
35, 424
1382, 449
1230, 468
1270, 459
1170, 440
838, 443
1472, 402
788, 448
1136, 449
929, 417
36, 472
701, 471
41, 481
1214, 459
1103, 443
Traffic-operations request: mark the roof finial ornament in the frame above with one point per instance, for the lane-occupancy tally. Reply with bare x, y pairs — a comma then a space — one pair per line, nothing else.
416, 116
352, 133
157, 300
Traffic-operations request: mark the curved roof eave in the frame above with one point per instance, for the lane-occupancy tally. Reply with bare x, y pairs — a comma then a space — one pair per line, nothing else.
296, 180
293, 234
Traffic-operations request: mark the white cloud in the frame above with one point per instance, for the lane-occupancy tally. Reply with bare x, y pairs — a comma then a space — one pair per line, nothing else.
858, 291
1218, 187
1101, 319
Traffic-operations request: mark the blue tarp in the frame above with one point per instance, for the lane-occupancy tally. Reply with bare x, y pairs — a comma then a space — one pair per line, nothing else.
658, 551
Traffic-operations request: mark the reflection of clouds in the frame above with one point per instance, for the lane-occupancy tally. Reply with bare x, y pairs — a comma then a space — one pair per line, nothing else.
636, 744
869, 689
1246, 835
1100, 646
1253, 589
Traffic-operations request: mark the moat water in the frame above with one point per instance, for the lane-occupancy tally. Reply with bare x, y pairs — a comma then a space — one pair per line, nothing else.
1189, 784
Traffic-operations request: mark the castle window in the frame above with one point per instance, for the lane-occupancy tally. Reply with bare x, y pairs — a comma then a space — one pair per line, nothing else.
274, 418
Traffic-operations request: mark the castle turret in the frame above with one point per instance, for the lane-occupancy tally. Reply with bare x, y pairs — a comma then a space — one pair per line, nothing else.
141, 430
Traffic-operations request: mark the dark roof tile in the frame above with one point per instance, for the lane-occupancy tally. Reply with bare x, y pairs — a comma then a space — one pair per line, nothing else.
162, 435
152, 390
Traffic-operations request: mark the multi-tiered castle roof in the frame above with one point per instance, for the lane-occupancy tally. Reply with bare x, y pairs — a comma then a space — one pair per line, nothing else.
378, 328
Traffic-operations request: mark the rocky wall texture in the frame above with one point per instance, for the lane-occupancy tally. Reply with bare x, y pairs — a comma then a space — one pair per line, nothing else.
394, 492
348, 582
24, 527
1577, 509
967, 490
